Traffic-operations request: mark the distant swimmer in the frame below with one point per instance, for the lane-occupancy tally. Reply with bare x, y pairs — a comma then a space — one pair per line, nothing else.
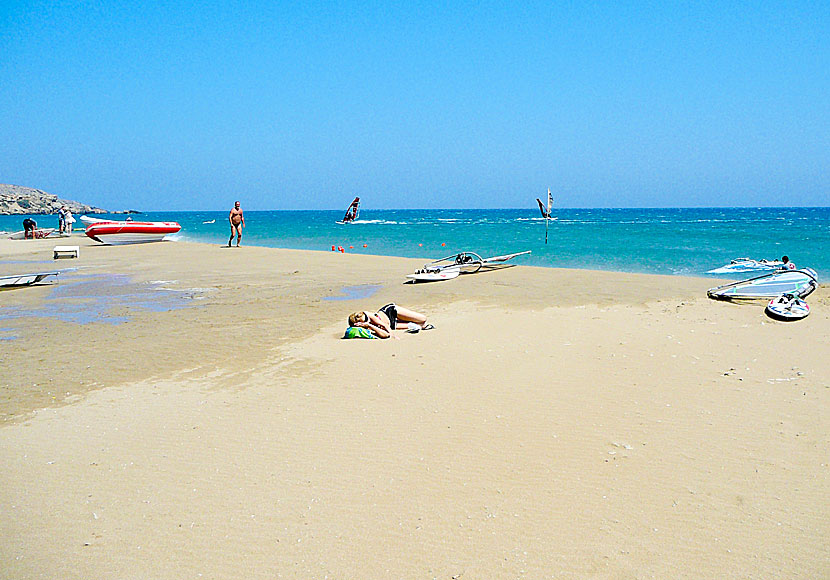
237, 223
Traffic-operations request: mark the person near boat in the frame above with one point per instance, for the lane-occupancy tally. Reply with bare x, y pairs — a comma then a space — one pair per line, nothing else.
787, 264
237, 220
68, 220
385, 320
29, 227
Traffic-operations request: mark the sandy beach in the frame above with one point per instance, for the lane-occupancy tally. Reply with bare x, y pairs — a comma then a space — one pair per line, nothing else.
198, 416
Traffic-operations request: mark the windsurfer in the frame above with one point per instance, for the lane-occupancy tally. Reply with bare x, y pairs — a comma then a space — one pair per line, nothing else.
237, 221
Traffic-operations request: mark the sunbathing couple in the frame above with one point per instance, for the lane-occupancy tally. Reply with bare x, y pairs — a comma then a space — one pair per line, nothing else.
384, 321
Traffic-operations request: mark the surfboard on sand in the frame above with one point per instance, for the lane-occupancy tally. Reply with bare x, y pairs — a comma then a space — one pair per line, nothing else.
787, 307
435, 274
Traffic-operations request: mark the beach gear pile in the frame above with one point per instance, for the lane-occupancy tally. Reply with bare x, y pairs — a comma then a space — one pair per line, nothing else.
784, 289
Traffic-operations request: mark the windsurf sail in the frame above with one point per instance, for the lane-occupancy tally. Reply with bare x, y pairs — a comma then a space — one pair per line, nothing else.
545, 212
741, 265
24, 279
353, 211
797, 282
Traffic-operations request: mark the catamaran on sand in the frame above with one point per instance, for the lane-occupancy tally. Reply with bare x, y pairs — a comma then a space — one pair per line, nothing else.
462, 263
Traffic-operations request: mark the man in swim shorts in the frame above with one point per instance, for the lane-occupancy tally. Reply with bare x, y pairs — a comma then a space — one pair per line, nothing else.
237, 223
29, 227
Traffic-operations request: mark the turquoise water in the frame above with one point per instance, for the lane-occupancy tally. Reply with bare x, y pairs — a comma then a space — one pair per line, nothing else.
685, 242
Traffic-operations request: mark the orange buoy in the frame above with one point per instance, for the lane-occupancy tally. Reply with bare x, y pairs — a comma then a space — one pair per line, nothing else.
351, 247
365, 246
332, 249
420, 245
443, 244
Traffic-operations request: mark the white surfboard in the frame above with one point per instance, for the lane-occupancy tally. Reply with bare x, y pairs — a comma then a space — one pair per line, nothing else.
436, 274
787, 307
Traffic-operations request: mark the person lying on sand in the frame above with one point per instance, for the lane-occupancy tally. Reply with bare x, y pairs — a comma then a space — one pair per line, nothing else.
384, 321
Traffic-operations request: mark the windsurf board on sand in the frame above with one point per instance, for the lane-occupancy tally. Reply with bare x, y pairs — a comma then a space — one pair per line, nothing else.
787, 307
435, 275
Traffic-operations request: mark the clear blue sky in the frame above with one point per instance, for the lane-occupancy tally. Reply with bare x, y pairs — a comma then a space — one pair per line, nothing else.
303, 105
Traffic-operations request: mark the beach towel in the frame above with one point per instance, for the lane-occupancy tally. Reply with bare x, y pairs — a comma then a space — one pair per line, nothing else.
357, 332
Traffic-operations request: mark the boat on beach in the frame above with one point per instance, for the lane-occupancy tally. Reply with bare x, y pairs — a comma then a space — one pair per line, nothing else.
128, 232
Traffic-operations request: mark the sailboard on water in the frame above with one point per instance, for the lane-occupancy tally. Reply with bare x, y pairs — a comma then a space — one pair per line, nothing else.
352, 213
546, 212
799, 283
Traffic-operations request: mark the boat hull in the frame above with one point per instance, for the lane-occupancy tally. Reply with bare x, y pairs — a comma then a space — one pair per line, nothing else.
120, 233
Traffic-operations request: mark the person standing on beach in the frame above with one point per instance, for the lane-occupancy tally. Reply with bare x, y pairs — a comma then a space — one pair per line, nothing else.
61, 219
68, 220
237, 223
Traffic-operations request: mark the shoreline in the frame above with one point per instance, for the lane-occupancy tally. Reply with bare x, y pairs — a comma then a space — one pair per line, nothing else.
686, 242
555, 422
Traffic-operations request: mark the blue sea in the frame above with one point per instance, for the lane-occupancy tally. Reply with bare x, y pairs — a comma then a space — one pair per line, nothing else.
682, 241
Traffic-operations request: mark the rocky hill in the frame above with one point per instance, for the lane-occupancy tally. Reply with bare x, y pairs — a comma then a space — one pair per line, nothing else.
15, 199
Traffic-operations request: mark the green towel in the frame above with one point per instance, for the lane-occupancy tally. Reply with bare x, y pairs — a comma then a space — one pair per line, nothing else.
357, 332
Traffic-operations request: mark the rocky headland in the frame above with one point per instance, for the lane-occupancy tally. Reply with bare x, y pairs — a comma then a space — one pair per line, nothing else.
15, 200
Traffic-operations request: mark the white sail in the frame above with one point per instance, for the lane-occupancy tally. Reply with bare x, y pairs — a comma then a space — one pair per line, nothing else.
800, 283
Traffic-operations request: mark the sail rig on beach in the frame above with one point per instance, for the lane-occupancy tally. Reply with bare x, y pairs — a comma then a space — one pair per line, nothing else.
799, 283
462, 263
352, 213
